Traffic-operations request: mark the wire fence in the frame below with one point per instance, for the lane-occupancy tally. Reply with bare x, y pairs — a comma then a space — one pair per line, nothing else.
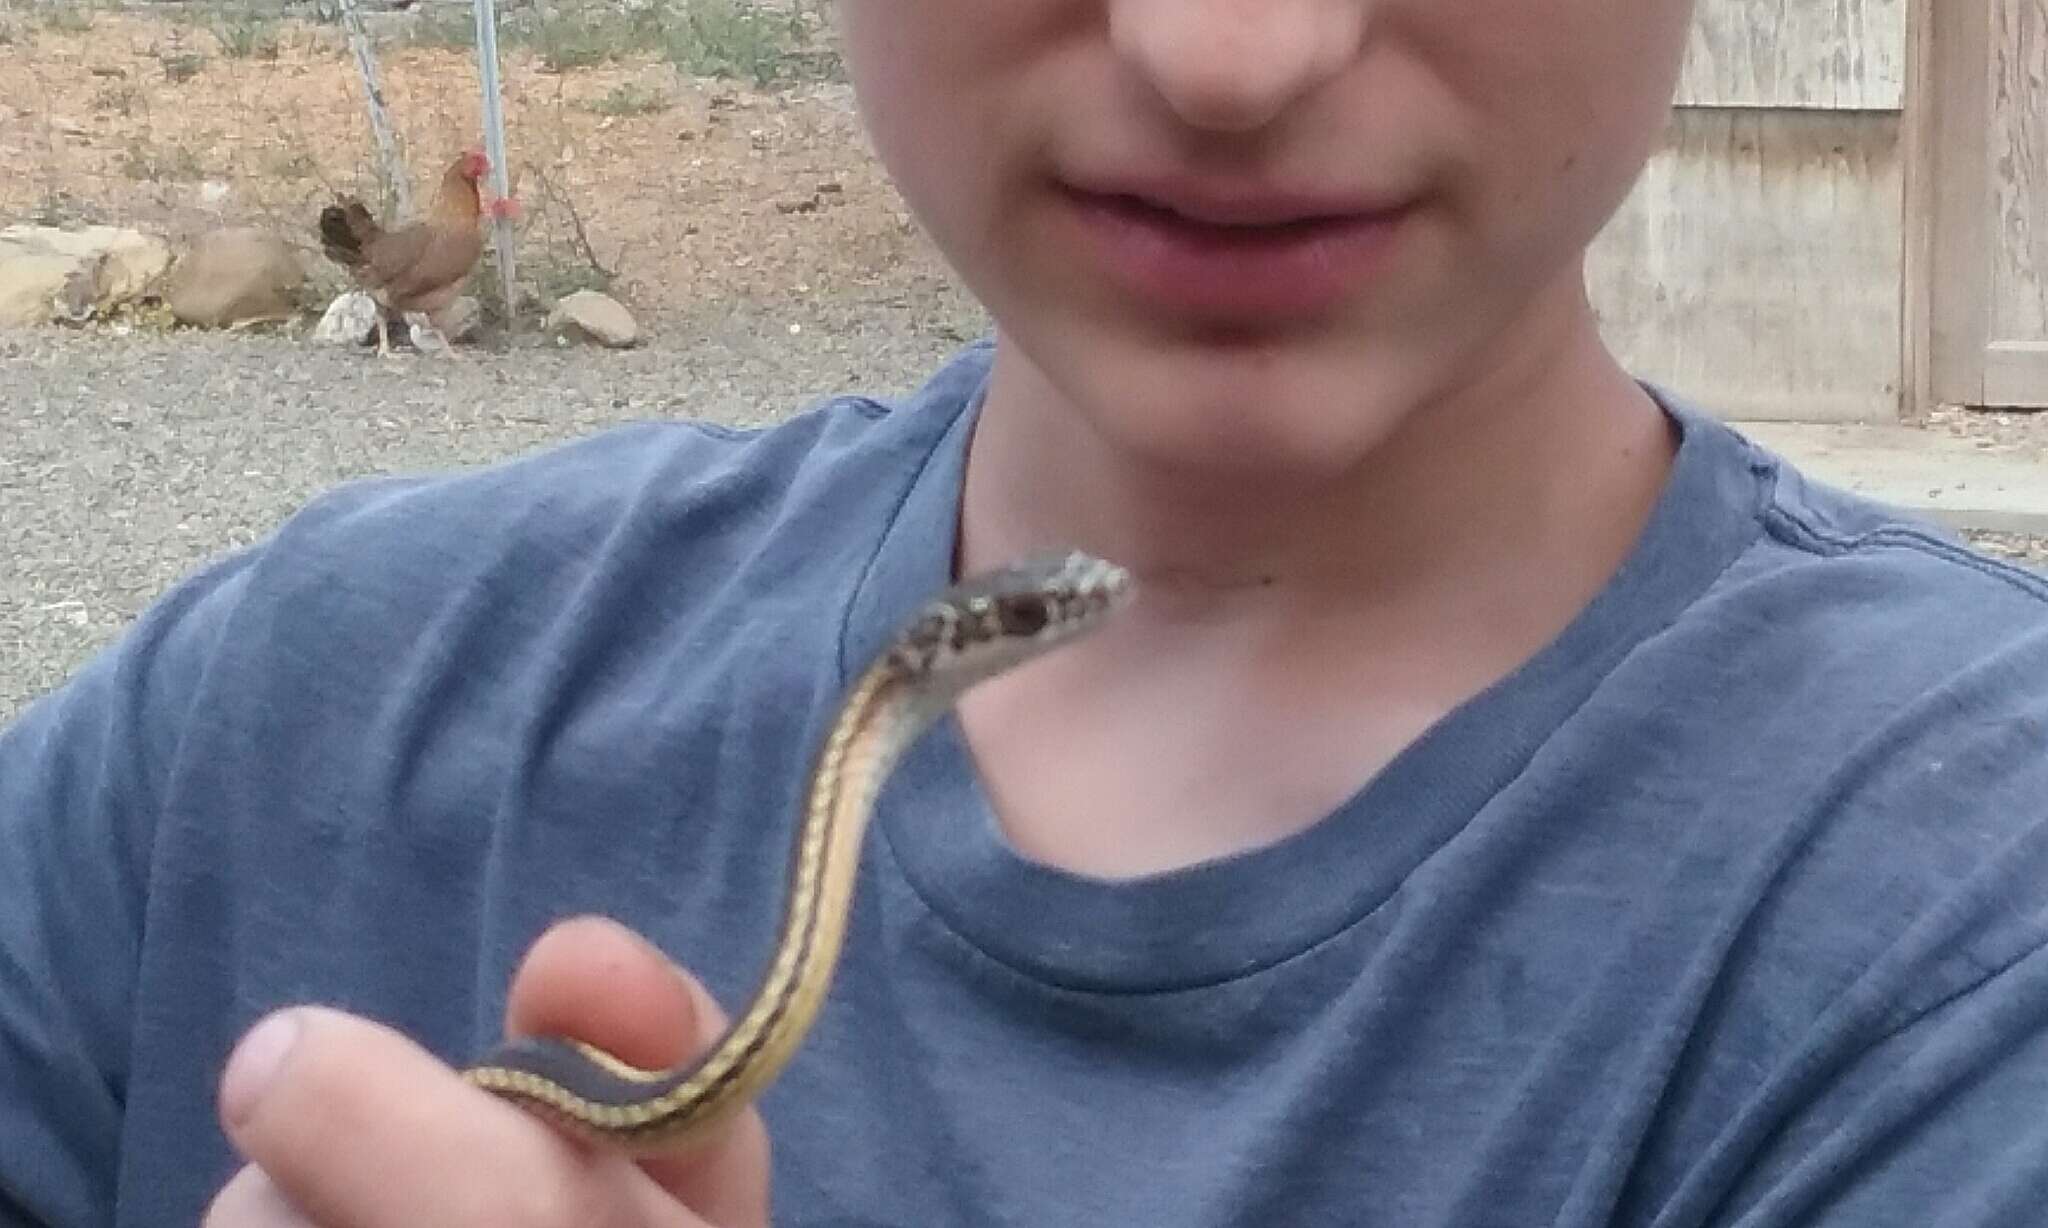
179, 116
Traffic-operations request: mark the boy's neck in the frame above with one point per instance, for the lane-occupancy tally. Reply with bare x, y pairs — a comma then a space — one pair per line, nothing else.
1550, 460
1311, 635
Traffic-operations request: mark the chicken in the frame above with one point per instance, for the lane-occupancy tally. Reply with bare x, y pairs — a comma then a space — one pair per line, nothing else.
418, 267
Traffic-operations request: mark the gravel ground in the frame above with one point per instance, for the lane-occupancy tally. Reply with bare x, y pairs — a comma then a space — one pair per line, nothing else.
2027, 551
125, 461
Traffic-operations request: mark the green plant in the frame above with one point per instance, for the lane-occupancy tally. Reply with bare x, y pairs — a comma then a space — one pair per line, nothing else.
291, 165
180, 163
243, 35
63, 210
746, 39
451, 27
566, 40
725, 38
181, 65
119, 99
631, 99
69, 18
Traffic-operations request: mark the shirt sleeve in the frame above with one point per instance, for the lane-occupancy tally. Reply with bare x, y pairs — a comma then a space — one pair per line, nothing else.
1955, 1135
1920, 1099
81, 772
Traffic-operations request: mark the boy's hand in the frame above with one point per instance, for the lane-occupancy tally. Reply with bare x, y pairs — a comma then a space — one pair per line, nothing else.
347, 1124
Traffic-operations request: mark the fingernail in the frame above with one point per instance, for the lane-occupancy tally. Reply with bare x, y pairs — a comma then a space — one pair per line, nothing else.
254, 1061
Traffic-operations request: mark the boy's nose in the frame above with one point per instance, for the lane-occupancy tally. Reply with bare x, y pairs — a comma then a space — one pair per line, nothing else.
1235, 65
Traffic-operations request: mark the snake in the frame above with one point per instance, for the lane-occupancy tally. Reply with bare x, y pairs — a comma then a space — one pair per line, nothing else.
972, 630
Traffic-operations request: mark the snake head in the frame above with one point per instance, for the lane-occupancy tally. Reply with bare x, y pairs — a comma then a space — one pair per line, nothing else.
995, 621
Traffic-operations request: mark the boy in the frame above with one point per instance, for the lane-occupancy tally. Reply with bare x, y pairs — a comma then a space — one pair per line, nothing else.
1512, 799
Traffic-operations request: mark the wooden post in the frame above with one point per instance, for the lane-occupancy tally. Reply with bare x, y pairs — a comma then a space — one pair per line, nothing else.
390, 167
494, 147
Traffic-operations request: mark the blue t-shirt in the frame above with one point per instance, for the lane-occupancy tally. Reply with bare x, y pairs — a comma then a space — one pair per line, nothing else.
1726, 908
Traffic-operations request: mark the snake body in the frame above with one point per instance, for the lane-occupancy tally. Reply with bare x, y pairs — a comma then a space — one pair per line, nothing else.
972, 631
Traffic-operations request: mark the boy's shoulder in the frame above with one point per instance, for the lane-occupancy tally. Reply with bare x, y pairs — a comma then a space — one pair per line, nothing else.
1870, 671
1842, 568
1815, 521
643, 543
1819, 644
1869, 573
561, 500
568, 496
690, 496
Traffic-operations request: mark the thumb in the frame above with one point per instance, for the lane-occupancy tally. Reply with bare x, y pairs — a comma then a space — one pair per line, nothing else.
599, 982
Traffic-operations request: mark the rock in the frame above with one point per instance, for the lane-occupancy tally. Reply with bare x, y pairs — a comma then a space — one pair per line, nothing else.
461, 319
424, 337
458, 323
349, 320
236, 276
589, 316
47, 273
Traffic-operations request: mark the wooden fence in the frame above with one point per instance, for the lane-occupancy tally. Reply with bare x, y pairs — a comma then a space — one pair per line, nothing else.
1848, 220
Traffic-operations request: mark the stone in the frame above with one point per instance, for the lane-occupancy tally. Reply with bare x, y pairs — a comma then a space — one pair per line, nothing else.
238, 275
461, 318
48, 273
587, 315
350, 320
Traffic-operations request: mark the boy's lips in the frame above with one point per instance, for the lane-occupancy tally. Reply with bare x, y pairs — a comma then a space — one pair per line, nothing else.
1233, 256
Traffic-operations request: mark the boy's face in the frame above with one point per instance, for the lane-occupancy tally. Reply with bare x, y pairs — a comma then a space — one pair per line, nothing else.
1254, 234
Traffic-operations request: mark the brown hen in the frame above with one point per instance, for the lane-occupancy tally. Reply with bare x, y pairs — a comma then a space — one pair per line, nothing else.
419, 267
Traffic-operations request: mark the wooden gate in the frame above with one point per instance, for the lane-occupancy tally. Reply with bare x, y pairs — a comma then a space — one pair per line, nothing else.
1759, 265
1981, 213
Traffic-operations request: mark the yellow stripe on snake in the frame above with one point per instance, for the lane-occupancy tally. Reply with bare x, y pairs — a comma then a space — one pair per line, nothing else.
972, 631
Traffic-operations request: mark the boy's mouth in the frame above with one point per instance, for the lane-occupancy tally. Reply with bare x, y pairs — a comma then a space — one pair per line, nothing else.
1274, 221
1234, 210
1244, 259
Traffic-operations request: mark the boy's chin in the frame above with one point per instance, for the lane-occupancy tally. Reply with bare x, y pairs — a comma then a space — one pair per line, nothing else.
1292, 413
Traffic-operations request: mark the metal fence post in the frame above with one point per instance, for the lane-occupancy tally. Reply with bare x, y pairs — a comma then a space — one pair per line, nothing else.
390, 166
494, 147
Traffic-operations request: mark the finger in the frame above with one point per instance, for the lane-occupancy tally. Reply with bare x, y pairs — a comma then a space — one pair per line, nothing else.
250, 1200
594, 979
601, 983
360, 1128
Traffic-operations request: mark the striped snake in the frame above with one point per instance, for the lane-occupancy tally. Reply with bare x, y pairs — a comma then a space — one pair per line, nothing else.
972, 631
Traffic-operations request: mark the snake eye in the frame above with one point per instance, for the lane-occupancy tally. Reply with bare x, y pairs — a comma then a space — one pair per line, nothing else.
1024, 615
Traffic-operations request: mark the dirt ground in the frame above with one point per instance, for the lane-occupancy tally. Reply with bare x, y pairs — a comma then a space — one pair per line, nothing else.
696, 194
